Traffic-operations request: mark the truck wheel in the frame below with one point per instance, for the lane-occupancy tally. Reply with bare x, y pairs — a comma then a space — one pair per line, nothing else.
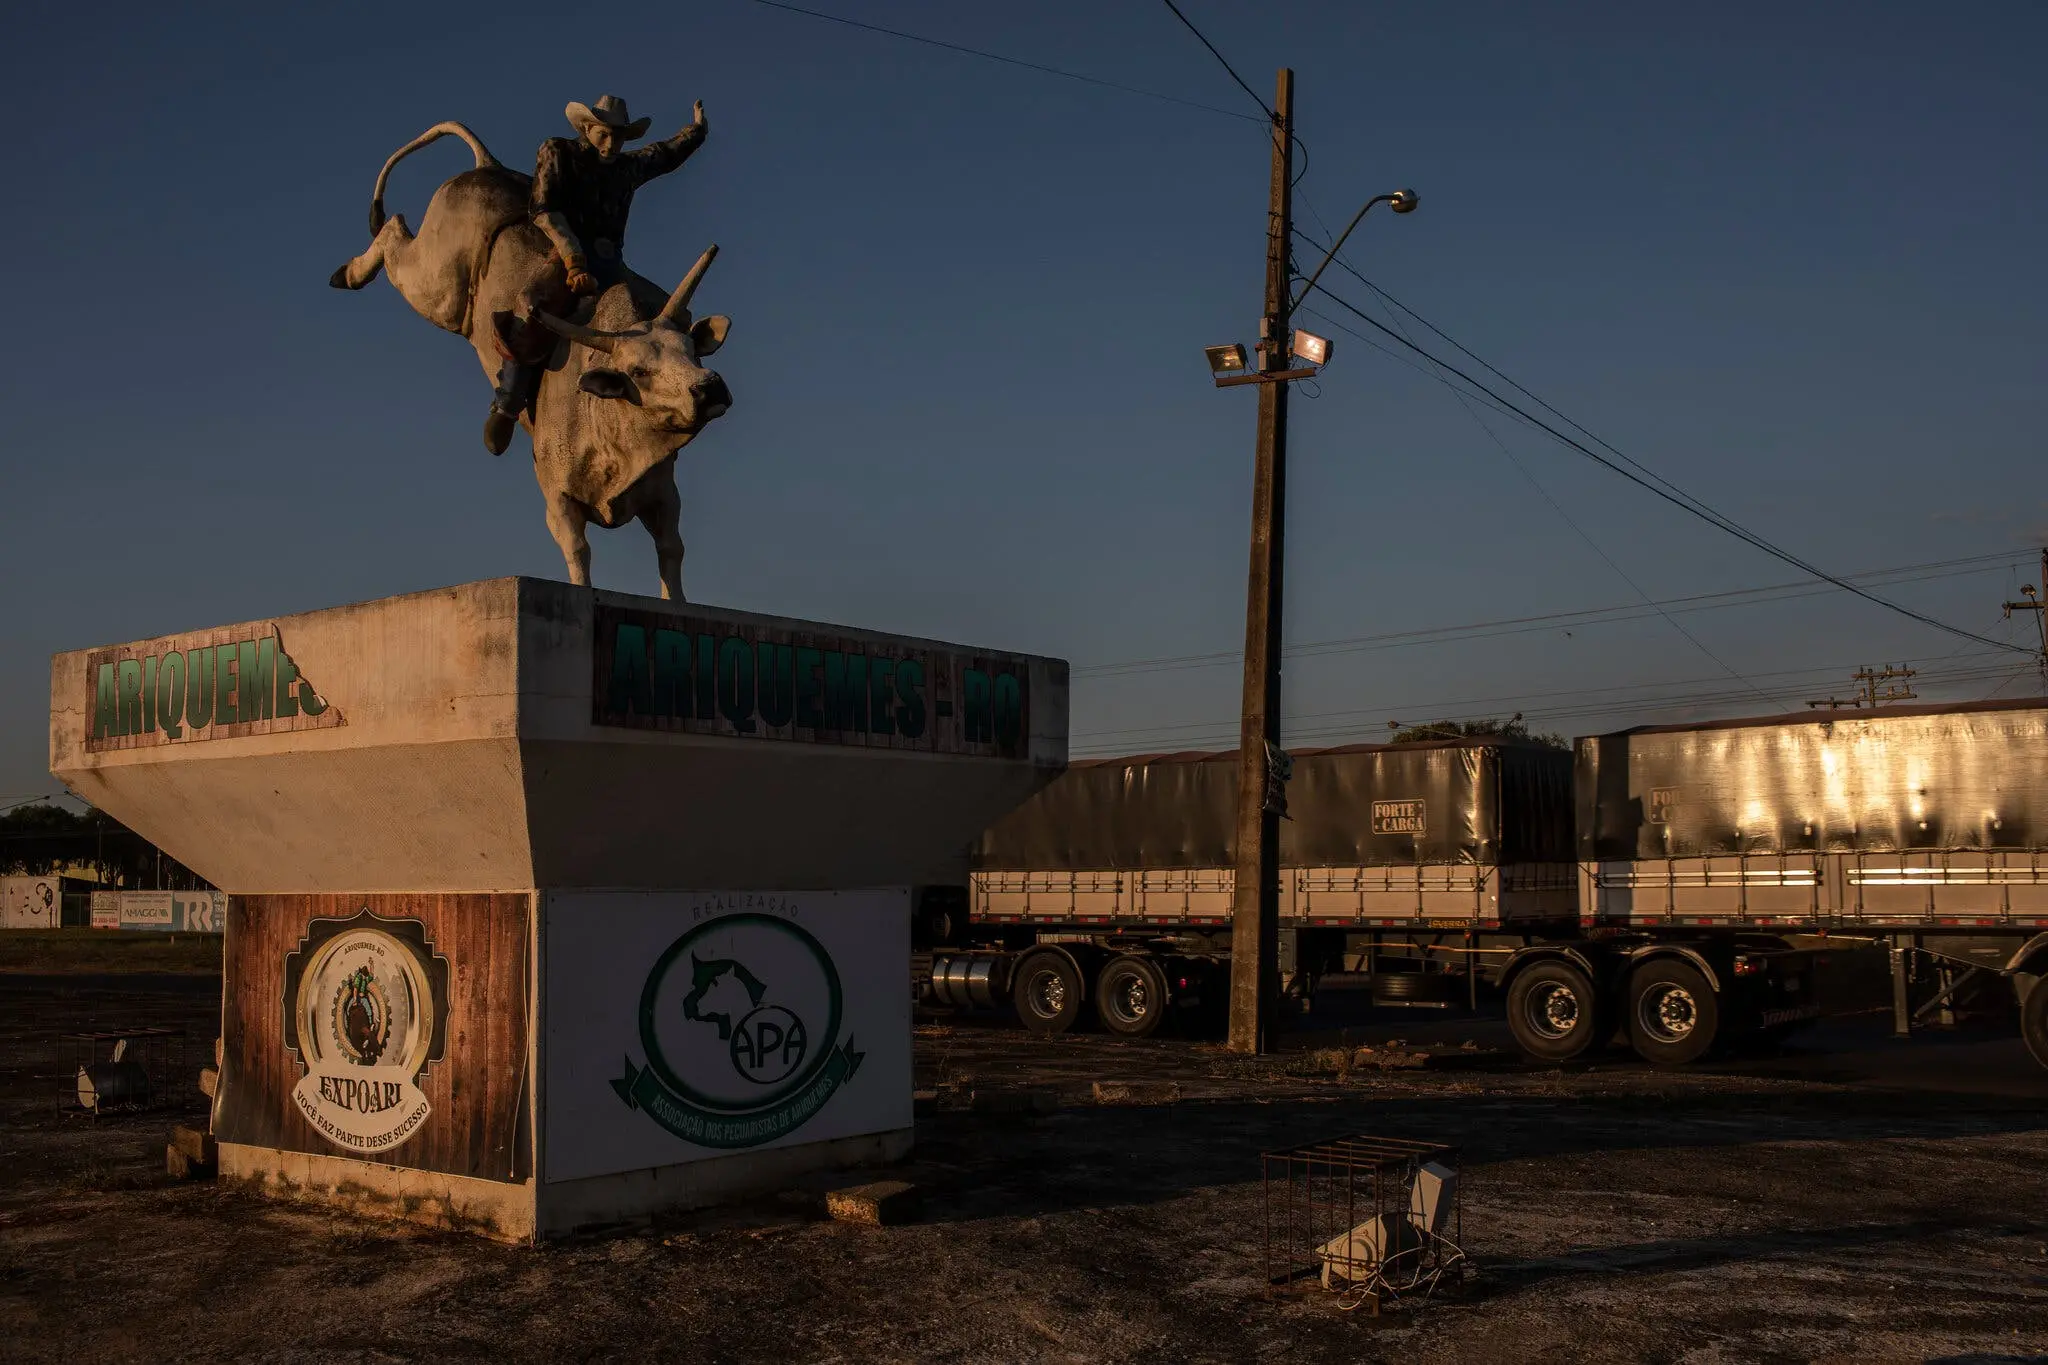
2034, 1021
1131, 996
1047, 992
1553, 1012
1672, 1013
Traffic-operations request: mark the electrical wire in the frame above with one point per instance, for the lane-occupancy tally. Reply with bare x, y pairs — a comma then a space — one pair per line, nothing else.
1520, 625
1669, 492
1530, 478
1224, 62
1580, 703
1007, 61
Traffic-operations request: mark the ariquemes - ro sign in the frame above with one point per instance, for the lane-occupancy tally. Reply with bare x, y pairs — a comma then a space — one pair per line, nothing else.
706, 675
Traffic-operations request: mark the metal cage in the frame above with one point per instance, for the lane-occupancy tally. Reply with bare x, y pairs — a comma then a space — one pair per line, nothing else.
1369, 1217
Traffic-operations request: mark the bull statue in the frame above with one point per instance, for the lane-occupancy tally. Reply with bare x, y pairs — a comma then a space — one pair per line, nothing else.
621, 380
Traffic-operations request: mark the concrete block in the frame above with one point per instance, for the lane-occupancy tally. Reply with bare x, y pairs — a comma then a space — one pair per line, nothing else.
196, 1144
209, 1081
881, 1204
181, 1166
1137, 1092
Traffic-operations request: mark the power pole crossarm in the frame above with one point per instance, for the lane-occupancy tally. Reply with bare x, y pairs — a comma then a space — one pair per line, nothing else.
1255, 906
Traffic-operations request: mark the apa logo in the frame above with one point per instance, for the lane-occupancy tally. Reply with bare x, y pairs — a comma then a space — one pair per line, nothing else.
740, 1022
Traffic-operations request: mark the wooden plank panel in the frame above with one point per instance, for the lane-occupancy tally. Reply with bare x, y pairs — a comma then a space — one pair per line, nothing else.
477, 1088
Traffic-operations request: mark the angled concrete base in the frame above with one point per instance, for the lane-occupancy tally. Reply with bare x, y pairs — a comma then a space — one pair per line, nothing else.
551, 907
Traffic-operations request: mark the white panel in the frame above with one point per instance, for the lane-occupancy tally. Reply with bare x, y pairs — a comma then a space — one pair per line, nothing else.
682, 1026
31, 902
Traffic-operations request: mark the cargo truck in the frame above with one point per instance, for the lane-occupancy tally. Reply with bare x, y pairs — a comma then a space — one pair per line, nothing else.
1680, 887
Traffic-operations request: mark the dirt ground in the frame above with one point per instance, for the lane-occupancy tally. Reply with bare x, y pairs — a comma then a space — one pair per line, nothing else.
1849, 1199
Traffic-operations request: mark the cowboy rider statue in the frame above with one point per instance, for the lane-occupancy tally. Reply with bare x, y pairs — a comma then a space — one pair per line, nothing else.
582, 193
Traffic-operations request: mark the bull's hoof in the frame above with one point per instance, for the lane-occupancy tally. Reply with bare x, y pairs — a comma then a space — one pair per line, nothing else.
498, 429
339, 279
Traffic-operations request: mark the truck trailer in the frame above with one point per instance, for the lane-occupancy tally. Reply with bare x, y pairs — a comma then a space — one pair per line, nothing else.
1682, 887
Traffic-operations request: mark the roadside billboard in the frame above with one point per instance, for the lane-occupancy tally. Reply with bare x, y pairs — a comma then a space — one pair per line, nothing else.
181, 912
31, 902
106, 909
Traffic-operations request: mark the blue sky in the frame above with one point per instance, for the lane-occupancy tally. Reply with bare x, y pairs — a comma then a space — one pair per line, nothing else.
1786, 256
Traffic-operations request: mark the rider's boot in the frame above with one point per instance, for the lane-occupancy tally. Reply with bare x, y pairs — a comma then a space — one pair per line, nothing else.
514, 391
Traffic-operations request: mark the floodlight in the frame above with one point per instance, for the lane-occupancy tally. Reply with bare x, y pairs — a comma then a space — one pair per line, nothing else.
1312, 348
1226, 359
1434, 1195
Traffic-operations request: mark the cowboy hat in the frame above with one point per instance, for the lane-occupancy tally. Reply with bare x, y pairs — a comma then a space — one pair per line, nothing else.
609, 110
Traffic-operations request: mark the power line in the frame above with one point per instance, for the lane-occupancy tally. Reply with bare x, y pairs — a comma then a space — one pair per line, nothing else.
1518, 625
1351, 724
1580, 531
1670, 493
1224, 62
1008, 61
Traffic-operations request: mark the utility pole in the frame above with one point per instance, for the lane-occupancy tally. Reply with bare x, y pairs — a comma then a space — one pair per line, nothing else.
1255, 905
2033, 604
1871, 677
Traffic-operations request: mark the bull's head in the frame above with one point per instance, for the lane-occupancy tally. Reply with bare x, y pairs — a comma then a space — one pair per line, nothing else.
657, 365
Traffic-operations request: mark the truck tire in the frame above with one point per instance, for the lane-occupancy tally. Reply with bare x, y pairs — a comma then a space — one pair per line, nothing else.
1046, 989
1131, 996
1554, 1012
2034, 1021
1673, 1015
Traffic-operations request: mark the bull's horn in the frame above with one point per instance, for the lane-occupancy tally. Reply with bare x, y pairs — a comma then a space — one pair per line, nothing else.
576, 331
678, 305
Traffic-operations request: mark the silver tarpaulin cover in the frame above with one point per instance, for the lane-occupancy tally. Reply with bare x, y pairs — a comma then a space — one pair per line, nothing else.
1973, 777
1359, 806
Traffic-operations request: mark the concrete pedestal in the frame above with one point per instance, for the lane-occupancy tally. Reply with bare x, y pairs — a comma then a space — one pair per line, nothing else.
551, 907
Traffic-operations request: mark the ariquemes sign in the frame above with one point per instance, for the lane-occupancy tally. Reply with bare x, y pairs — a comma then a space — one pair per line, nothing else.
209, 685
754, 680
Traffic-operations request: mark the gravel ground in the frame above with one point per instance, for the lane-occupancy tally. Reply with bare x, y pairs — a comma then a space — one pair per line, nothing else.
1852, 1199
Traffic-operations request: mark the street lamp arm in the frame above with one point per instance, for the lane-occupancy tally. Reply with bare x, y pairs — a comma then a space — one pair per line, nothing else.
1403, 201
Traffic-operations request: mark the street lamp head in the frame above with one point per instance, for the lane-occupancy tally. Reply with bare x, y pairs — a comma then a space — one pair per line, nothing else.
1311, 348
1402, 201
1226, 359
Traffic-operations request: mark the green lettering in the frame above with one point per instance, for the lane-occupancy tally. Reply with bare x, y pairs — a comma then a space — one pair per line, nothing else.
311, 703
773, 682
881, 678
1009, 710
259, 687
672, 674
106, 707
149, 694
170, 700
199, 688
910, 699
846, 691
736, 683
224, 662
707, 678
286, 692
809, 710
130, 686
979, 720
632, 684
251, 690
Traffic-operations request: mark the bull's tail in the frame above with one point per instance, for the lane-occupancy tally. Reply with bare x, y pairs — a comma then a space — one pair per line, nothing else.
484, 159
